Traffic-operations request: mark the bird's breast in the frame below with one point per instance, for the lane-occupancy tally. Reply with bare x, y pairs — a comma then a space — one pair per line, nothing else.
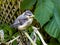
25, 25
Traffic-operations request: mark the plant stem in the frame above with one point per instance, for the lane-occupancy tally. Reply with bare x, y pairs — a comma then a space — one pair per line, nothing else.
12, 40
39, 34
29, 38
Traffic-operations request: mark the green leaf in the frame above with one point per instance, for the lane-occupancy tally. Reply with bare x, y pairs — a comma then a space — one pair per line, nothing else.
53, 42
44, 11
53, 27
30, 30
57, 17
27, 4
38, 41
8, 31
57, 3
15, 42
39, 2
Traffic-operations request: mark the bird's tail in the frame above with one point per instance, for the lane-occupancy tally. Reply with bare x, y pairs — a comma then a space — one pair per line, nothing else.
14, 25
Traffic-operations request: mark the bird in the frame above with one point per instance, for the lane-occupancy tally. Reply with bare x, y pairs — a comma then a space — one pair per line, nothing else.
24, 20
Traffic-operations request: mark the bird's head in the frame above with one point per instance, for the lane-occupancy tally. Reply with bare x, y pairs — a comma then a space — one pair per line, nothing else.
29, 14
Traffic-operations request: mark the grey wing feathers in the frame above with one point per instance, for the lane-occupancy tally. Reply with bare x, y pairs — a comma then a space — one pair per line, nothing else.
19, 21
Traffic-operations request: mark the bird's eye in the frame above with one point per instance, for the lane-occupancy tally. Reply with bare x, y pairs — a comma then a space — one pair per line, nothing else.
29, 15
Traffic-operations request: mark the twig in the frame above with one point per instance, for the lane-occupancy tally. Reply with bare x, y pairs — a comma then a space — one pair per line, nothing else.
40, 36
29, 38
12, 40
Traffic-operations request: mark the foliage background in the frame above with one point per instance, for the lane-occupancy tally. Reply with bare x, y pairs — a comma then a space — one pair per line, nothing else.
47, 18
47, 13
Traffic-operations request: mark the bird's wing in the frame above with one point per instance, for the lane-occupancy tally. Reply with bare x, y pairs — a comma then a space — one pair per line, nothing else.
22, 17
19, 21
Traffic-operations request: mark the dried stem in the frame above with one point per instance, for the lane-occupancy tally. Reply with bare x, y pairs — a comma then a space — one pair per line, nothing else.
39, 34
11, 41
29, 38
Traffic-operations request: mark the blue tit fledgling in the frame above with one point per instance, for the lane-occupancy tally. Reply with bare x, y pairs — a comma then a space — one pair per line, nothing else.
24, 20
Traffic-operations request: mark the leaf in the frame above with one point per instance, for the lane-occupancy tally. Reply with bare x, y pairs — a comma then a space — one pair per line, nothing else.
15, 42
39, 2
30, 30
44, 11
57, 3
16, 34
53, 42
8, 31
27, 4
53, 27
57, 16
38, 41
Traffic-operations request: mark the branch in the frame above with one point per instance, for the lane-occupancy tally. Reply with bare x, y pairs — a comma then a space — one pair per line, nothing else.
12, 40
29, 38
39, 34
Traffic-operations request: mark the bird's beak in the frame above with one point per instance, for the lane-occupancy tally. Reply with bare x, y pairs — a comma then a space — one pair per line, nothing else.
32, 16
